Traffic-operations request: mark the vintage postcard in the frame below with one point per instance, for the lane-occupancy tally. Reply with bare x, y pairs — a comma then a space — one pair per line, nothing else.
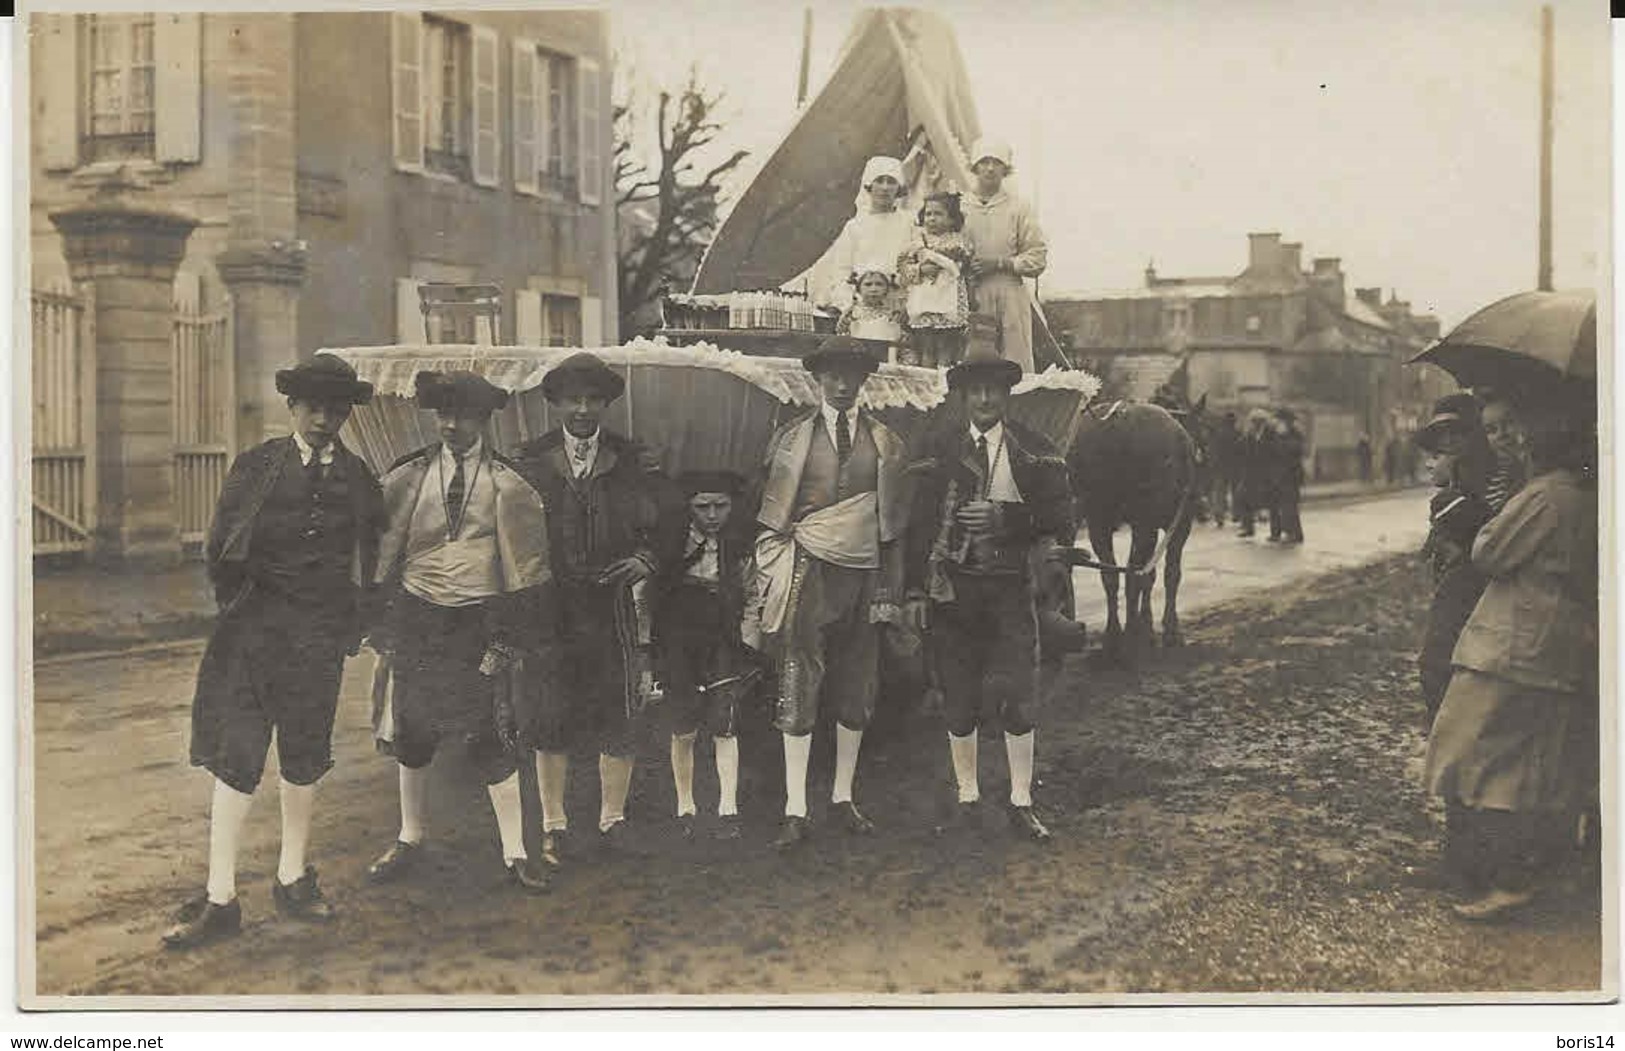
720, 504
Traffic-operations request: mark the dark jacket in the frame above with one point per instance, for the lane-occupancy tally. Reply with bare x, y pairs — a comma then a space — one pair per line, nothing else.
1039, 472
592, 522
733, 559
229, 554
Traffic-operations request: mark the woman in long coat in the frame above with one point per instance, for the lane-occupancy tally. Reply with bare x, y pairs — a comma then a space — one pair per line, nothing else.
1514, 747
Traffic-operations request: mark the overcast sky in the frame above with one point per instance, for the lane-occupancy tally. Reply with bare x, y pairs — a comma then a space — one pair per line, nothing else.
1400, 137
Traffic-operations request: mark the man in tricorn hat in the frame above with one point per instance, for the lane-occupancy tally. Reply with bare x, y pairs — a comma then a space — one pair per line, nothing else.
830, 567
992, 502
463, 566
699, 603
602, 516
290, 551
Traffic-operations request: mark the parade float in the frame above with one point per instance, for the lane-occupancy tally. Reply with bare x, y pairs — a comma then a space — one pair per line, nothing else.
724, 370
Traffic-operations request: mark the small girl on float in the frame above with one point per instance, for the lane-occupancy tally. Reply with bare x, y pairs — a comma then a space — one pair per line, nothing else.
932, 271
874, 313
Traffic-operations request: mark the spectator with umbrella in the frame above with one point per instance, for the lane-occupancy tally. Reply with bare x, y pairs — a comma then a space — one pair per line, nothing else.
1513, 750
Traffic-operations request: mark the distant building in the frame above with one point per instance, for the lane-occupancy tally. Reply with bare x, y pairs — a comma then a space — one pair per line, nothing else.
1273, 335
224, 193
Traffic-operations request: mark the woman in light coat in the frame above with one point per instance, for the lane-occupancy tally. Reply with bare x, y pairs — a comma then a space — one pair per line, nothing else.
1513, 750
881, 230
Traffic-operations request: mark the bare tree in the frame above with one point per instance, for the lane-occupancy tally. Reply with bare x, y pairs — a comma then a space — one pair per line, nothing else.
667, 206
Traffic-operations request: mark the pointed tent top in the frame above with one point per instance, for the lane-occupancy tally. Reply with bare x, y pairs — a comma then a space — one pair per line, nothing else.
899, 83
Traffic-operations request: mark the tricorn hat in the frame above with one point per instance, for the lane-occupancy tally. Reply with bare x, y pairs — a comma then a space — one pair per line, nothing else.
837, 350
982, 363
1286, 415
458, 390
711, 482
582, 370
326, 377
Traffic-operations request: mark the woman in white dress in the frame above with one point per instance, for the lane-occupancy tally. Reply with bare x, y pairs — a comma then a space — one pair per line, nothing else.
881, 229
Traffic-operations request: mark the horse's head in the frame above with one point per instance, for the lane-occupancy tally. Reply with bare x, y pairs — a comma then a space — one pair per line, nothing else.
1199, 424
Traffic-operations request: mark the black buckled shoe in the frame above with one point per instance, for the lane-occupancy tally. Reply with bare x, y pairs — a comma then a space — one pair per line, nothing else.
1027, 823
964, 820
728, 829
852, 819
793, 833
394, 863
531, 876
302, 899
205, 924
555, 848
685, 827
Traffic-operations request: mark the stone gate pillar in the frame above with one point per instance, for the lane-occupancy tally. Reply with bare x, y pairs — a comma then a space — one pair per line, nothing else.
129, 253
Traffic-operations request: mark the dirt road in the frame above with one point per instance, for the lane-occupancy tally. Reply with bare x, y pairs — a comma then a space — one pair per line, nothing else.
1234, 817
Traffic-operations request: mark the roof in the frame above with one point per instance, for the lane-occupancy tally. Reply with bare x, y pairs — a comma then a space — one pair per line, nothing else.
1182, 291
1359, 310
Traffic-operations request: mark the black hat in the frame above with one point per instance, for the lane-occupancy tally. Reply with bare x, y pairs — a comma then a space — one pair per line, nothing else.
838, 350
983, 363
458, 390
326, 377
582, 369
1458, 413
711, 482
1287, 415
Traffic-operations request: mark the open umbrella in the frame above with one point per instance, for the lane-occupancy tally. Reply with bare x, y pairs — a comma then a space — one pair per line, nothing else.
1529, 338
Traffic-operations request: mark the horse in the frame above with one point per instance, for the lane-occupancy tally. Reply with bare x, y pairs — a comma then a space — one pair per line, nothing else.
1137, 465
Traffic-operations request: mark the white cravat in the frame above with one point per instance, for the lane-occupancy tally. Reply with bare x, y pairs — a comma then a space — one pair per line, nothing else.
306, 451
583, 452
1001, 486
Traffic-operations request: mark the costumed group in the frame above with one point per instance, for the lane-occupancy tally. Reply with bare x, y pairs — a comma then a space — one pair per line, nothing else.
533, 607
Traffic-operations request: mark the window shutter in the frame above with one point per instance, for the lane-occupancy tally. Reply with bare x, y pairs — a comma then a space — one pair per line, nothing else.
406, 89
178, 88
544, 110
527, 309
524, 117
591, 94
592, 320
487, 132
408, 314
57, 89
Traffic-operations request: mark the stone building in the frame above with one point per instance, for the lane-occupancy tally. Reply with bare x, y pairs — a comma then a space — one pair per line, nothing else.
217, 195
1275, 334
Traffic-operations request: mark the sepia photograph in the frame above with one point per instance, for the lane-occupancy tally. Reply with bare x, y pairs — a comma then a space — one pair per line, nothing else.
718, 504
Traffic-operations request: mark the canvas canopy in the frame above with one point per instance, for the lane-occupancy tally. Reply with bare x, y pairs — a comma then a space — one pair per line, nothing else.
899, 89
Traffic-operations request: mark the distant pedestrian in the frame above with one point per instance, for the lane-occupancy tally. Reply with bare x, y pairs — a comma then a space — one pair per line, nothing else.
1253, 471
1392, 451
1362, 452
1286, 469
1513, 751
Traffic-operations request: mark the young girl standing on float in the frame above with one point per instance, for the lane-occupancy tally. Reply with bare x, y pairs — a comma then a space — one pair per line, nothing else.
932, 270
874, 313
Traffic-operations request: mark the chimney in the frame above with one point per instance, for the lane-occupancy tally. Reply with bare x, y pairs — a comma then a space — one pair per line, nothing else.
1263, 251
1428, 326
1151, 274
1371, 297
1292, 257
1328, 274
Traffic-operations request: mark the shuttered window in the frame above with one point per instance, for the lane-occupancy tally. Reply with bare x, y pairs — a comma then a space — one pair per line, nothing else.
446, 115
407, 89
121, 69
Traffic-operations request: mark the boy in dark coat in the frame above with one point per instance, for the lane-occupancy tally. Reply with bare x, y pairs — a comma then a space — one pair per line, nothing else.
698, 606
991, 504
292, 545
603, 507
